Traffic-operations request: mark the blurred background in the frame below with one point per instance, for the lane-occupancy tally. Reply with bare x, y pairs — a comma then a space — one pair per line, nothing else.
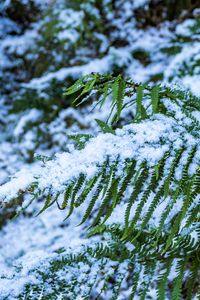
44, 47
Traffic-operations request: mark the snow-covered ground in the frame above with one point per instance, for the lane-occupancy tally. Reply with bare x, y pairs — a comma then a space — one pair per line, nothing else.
168, 53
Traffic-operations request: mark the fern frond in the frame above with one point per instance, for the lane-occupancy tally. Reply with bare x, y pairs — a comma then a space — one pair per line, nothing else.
163, 279
176, 293
155, 98
146, 172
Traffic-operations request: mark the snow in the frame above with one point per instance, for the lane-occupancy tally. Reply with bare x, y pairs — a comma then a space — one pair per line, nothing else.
22, 179
97, 66
188, 57
140, 3
136, 141
32, 116
192, 83
184, 28
28, 243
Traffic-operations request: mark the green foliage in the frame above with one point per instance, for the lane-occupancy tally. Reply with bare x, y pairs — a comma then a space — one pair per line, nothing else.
104, 126
131, 94
154, 250
133, 252
104, 266
140, 110
155, 98
80, 139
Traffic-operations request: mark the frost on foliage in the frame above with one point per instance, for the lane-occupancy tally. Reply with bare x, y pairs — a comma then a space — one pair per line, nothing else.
141, 142
12, 284
30, 245
142, 54
37, 62
72, 278
148, 141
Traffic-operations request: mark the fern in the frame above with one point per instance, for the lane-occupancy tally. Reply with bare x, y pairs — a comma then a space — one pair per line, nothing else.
118, 88
155, 98
163, 279
158, 198
176, 293
140, 110
104, 126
